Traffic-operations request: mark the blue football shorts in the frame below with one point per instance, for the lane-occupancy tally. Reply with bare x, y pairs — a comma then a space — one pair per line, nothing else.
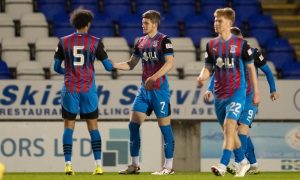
83, 103
158, 101
230, 108
249, 111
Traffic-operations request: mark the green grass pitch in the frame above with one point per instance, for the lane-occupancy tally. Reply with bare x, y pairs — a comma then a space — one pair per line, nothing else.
146, 176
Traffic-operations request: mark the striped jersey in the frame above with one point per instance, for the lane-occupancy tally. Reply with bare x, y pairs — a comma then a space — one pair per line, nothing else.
228, 59
152, 51
78, 51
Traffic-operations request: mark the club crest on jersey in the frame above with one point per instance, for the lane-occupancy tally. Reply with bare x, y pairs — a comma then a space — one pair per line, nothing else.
169, 46
155, 43
233, 49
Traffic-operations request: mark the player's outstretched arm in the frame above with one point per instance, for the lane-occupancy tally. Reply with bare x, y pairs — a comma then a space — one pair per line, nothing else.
254, 83
107, 65
127, 65
267, 71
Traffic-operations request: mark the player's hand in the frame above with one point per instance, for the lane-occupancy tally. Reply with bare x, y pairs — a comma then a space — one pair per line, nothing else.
274, 96
256, 99
149, 83
207, 95
200, 82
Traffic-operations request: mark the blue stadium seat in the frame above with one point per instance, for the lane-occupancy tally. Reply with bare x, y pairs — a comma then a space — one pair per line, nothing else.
262, 28
143, 7
263, 35
61, 25
279, 44
209, 9
291, 70
244, 12
131, 27
214, 2
102, 26
181, 10
116, 9
50, 8
279, 51
244, 2
4, 71
197, 27
263, 21
169, 26
91, 5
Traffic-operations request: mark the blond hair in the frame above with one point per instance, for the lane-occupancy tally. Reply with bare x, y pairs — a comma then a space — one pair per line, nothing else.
227, 13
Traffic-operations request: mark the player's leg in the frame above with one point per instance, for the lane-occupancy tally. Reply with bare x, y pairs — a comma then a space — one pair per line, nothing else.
234, 111
220, 110
246, 120
250, 154
161, 105
89, 112
70, 105
139, 112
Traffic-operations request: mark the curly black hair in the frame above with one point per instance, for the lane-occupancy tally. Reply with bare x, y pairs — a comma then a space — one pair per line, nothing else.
80, 18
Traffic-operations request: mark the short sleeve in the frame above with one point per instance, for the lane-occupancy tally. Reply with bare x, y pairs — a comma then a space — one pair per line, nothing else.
136, 50
247, 53
208, 56
259, 59
100, 52
59, 52
167, 47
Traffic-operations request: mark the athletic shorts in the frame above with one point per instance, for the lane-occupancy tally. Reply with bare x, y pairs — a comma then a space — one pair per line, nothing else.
83, 103
249, 111
158, 101
230, 108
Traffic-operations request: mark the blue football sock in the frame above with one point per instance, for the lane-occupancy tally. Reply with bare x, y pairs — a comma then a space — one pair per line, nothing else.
239, 154
169, 140
250, 152
96, 143
67, 143
225, 159
135, 139
243, 139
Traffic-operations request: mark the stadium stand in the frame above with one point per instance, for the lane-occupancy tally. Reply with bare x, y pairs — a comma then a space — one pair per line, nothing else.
15, 50
4, 70
117, 48
192, 69
184, 51
30, 70
16, 8
268, 21
44, 48
34, 26
7, 27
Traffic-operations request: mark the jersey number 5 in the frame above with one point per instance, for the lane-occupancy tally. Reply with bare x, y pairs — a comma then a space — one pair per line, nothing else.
79, 55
